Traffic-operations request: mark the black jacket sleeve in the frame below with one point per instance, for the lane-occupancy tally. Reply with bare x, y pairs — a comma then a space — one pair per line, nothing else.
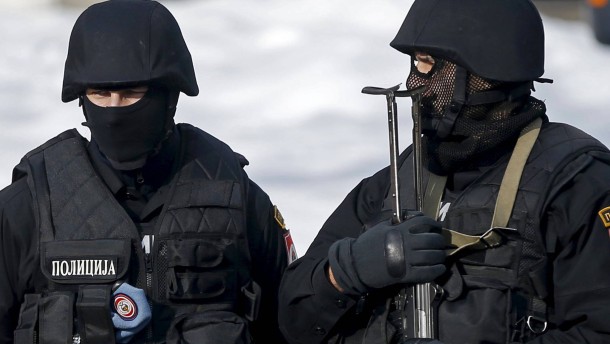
310, 307
269, 260
19, 258
18, 254
311, 310
578, 238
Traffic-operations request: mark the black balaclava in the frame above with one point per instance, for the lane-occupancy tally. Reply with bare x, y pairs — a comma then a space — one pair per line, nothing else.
489, 115
128, 135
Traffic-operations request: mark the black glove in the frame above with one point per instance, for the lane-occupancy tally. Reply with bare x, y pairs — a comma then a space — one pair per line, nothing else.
385, 255
420, 341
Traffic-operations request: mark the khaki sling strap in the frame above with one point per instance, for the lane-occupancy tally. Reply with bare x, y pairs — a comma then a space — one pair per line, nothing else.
504, 202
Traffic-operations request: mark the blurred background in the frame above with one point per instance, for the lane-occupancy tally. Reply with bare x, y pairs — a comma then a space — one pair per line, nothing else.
280, 82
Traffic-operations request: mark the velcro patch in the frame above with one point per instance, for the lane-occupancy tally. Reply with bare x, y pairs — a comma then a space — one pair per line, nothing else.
85, 261
92, 268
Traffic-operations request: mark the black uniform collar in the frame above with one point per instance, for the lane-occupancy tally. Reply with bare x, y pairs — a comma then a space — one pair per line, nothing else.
153, 175
103, 169
462, 178
459, 181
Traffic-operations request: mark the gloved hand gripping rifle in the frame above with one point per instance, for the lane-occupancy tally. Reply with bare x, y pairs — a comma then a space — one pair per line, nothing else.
414, 302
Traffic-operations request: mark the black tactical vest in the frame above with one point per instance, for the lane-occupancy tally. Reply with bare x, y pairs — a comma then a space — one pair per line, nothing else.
499, 295
199, 261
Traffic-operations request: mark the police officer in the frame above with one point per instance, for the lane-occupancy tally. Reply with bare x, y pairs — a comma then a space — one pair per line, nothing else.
150, 233
517, 207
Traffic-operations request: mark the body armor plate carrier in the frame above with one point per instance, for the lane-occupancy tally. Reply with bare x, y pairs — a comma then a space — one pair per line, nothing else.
199, 261
500, 293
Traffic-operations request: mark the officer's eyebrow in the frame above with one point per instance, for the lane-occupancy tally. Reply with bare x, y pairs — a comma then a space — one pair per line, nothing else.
423, 57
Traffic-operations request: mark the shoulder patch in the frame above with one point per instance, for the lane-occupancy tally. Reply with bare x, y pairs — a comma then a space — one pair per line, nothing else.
604, 214
291, 251
125, 307
278, 217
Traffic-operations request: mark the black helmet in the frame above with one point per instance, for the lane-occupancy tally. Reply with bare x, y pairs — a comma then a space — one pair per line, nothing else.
496, 39
127, 42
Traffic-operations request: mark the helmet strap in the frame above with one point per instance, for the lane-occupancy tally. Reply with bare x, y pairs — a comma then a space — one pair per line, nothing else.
496, 96
460, 99
172, 103
452, 111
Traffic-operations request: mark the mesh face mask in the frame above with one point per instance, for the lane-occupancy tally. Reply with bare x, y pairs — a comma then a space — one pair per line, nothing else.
460, 130
439, 82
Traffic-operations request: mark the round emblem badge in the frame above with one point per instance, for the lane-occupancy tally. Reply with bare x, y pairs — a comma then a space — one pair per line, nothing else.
125, 307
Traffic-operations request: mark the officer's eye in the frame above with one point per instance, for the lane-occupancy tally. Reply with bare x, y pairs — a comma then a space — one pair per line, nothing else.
423, 62
137, 92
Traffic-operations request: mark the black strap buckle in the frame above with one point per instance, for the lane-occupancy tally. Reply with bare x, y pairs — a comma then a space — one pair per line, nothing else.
251, 301
536, 324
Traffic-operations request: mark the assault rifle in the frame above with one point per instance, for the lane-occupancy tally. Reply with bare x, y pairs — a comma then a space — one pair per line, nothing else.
414, 302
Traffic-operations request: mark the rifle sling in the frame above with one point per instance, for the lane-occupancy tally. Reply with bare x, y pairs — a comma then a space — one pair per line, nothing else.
504, 203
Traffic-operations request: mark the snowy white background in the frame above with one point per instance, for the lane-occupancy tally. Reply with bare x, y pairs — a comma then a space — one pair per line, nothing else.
280, 82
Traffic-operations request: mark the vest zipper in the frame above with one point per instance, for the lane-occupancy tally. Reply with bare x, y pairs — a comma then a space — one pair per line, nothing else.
149, 271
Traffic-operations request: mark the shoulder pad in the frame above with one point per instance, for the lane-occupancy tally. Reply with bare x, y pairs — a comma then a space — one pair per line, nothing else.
21, 170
